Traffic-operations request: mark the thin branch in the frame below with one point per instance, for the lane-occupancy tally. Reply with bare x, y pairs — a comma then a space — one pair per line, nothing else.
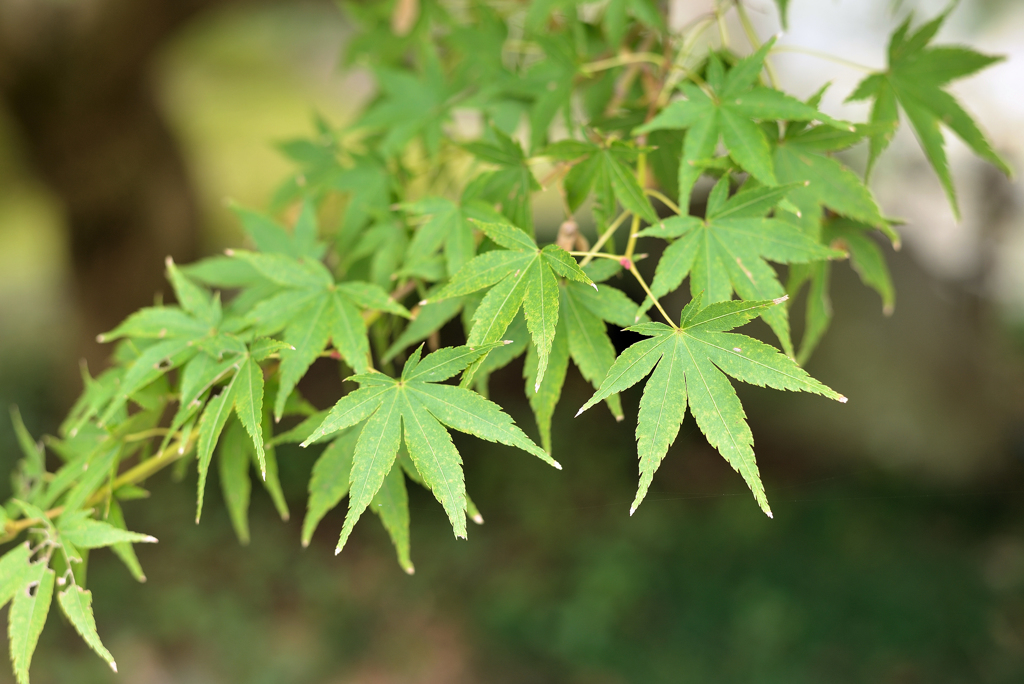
679, 69
656, 194
657, 304
641, 176
599, 255
604, 238
823, 55
723, 33
755, 42
623, 60
132, 476
145, 434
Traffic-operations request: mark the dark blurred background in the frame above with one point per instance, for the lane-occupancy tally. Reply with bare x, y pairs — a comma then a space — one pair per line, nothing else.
897, 549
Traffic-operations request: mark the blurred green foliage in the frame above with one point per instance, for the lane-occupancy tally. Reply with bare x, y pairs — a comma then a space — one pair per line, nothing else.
858, 579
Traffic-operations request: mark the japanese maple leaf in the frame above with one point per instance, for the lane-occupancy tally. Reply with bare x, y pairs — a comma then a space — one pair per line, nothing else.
410, 105
726, 251
521, 275
604, 171
194, 333
418, 407
690, 366
581, 335
914, 82
313, 309
511, 185
445, 224
729, 109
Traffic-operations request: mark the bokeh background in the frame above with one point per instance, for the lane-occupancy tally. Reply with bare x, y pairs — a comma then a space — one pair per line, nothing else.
897, 549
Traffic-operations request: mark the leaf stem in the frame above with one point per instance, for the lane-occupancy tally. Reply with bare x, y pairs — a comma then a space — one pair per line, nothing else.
599, 255
822, 55
145, 434
679, 65
755, 42
723, 32
623, 60
131, 476
643, 284
641, 177
658, 195
604, 238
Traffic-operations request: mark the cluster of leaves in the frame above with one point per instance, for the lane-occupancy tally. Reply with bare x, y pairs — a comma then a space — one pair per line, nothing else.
428, 235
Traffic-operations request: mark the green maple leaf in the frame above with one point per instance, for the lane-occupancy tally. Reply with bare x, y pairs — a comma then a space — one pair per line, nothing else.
416, 406
867, 260
511, 185
410, 105
27, 615
167, 337
242, 396
76, 603
690, 366
549, 84
446, 224
581, 334
729, 111
914, 82
271, 237
783, 6
726, 251
312, 310
604, 171
521, 275
802, 157
615, 19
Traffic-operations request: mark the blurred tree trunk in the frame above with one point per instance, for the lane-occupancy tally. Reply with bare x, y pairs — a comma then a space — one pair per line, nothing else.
76, 80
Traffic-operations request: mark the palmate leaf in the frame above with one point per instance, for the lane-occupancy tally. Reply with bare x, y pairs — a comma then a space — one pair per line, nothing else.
313, 310
615, 17
915, 82
818, 180
124, 549
426, 319
170, 336
581, 335
690, 365
233, 468
243, 396
726, 252
867, 260
84, 532
511, 185
329, 480
521, 276
730, 112
445, 225
27, 616
76, 603
421, 410
411, 105
604, 172
270, 237
13, 566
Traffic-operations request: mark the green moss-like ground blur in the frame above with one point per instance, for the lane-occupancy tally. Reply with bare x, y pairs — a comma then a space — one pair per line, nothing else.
896, 553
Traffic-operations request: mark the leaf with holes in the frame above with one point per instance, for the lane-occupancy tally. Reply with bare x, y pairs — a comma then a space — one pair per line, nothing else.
313, 310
